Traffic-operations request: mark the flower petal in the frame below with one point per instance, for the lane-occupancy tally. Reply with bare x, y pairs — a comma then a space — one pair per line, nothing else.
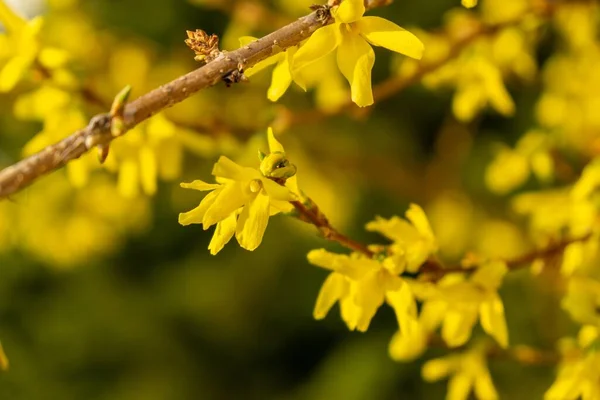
381, 32
457, 326
128, 180
253, 222
276, 191
491, 316
321, 43
10, 20
223, 234
281, 80
230, 198
148, 170
274, 144
200, 185
225, 168
349, 11
196, 215
355, 58
334, 287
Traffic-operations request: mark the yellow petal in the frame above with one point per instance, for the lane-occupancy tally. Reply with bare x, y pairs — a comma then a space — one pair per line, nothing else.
253, 222
276, 191
457, 326
274, 144
12, 72
351, 313
484, 387
381, 32
148, 170
78, 172
321, 43
355, 59
416, 215
225, 168
229, 199
436, 369
281, 80
200, 185
324, 259
128, 182
9, 19
223, 234
349, 11
334, 287
408, 343
459, 387
196, 215
491, 316
369, 297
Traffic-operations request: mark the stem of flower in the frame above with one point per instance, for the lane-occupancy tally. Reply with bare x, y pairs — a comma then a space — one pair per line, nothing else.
313, 215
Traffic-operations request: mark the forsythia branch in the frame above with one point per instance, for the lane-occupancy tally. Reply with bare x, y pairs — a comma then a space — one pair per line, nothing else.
98, 132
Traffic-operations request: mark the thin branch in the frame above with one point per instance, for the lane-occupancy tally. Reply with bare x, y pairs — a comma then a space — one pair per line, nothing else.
434, 271
312, 214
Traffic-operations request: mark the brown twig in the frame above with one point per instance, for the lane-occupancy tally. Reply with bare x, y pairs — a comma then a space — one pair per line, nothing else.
312, 214
434, 271
97, 132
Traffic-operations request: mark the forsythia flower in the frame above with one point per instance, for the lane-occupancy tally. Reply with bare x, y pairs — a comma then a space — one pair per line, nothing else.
361, 285
468, 372
579, 371
20, 48
243, 198
282, 73
414, 240
582, 300
456, 303
351, 35
511, 168
469, 3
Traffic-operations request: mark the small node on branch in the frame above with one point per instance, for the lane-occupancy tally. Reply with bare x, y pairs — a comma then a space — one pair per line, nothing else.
235, 76
323, 12
204, 45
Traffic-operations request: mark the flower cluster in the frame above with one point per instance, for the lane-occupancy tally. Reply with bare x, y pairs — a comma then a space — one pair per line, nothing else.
243, 199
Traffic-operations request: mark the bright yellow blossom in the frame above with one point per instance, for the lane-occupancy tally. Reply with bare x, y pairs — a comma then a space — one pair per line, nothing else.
413, 239
468, 371
579, 371
361, 285
243, 198
455, 303
20, 48
282, 73
468, 3
351, 35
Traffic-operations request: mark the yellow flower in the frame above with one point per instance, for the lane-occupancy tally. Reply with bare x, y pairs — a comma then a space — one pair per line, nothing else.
579, 371
282, 73
361, 285
582, 300
414, 239
243, 198
469, 3
21, 47
456, 303
351, 35
468, 372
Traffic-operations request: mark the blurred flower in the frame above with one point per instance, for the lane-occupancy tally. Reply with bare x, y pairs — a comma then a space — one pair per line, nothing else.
512, 167
242, 199
468, 372
361, 285
455, 303
413, 239
351, 35
579, 371
21, 47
